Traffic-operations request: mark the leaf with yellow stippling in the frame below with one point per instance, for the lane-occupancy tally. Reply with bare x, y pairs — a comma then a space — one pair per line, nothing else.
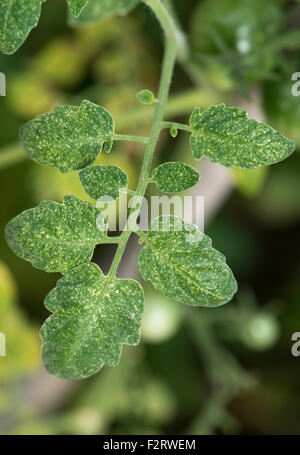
227, 136
94, 316
103, 181
181, 263
69, 138
57, 237
17, 18
174, 177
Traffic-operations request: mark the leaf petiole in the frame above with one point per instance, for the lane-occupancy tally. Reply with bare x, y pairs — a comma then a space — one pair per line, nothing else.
130, 138
178, 126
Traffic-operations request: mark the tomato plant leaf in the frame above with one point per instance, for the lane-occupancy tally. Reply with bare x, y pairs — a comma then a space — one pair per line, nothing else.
56, 237
69, 138
17, 18
76, 6
146, 97
227, 136
103, 181
98, 10
94, 315
175, 177
181, 263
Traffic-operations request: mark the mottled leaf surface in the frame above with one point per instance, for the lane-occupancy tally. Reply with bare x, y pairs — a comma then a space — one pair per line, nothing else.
56, 237
103, 181
70, 137
17, 18
227, 136
93, 316
174, 177
98, 10
76, 6
181, 263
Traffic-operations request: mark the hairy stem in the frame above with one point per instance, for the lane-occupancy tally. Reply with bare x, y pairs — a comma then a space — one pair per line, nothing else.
165, 82
11, 154
130, 138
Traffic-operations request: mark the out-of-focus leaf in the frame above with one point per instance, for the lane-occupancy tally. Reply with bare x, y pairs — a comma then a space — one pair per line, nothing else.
17, 18
174, 177
282, 108
279, 203
22, 342
29, 94
98, 10
181, 263
227, 136
56, 237
69, 138
50, 62
94, 316
76, 6
250, 181
238, 31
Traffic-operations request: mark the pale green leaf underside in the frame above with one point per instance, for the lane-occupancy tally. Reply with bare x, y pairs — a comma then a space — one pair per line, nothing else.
57, 237
103, 181
146, 97
17, 18
227, 136
69, 138
76, 6
93, 317
174, 177
98, 10
183, 265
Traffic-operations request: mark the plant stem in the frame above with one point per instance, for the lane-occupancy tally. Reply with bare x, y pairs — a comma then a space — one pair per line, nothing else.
11, 154
179, 126
165, 82
179, 104
130, 138
112, 240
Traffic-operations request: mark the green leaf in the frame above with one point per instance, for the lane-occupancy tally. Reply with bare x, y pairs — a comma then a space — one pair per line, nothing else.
56, 237
227, 136
174, 131
175, 177
103, 181
181, 263
76, 6
69, 138
94, 316
17, 18
146, 97
98, 10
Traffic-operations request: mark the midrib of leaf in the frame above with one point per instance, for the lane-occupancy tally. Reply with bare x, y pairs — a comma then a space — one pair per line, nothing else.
84, 332
192, 277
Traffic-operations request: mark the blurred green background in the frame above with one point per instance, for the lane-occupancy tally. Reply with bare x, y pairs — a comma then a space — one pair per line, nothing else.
196, 371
